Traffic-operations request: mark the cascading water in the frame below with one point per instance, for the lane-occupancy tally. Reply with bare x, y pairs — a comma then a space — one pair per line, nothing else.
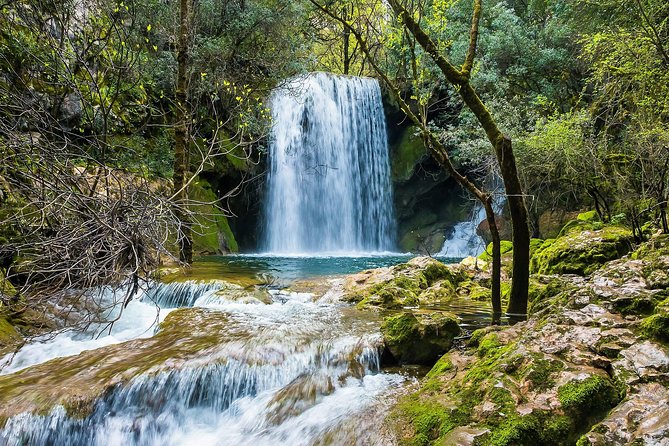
328, 187
293, 371
464, 241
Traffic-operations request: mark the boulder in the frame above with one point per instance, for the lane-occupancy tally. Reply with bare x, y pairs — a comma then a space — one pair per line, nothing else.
581, 248
421, 281
419, 338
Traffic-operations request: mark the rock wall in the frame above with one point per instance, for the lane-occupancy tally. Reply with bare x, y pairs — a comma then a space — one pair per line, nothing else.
428, 203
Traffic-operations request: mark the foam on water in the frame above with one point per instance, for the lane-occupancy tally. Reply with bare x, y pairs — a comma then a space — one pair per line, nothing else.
291, 372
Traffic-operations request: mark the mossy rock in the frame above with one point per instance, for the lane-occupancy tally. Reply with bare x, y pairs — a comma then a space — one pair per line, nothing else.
407, 154
211, 232
419, 339
422, 280
656, 326
8, 334
474, 291
589, 397
581, 250
505, 247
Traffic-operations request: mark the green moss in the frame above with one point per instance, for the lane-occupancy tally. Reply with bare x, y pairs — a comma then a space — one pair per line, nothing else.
419, 340
580, 250
537, 428
583, 441
487, 344
535, 244
591, 396
442, 366
656, 327
408, 152
211, 232
505, 247
588, 216
438, 271
8, 334
540, 373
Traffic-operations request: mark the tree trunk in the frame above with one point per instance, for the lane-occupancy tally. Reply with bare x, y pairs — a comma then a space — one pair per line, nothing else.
496, 285
181, 136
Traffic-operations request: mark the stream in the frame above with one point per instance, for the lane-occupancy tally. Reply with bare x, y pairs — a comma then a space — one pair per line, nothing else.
294, 370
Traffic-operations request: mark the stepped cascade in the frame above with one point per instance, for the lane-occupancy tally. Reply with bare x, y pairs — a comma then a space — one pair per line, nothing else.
328, 187
290, 371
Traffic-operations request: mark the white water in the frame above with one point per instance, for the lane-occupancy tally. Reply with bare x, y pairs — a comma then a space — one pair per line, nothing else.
464, 241
328, 187
293, 372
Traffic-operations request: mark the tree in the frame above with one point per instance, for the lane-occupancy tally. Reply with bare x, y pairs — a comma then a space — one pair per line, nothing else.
76, 220
181, 135
501, 143
460, 79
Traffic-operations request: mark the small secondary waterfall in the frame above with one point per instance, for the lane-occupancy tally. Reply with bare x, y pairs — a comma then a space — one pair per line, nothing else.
328, 188
464, 241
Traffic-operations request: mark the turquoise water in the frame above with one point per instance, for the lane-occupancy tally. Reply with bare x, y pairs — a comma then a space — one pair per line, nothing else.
284, 270
279, 271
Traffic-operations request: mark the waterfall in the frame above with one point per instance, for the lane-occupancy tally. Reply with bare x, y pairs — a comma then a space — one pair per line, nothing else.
464, 241
328, 187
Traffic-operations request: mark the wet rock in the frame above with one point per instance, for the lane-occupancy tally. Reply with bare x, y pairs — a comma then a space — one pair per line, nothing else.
76, 381
649, 361
643, 419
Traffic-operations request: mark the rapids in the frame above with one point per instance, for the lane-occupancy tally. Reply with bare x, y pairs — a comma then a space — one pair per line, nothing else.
293, 371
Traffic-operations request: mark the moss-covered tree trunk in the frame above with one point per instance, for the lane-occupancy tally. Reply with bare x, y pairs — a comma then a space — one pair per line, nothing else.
181, 136
496, 261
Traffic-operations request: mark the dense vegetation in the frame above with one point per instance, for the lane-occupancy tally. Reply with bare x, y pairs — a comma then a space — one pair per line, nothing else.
90, 109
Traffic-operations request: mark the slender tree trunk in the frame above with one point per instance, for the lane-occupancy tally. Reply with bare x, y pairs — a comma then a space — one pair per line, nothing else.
347, 41
496, 262
181, 137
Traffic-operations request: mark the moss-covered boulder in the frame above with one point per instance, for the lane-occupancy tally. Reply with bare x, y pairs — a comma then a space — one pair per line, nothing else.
581, 249
421, 281
419, 338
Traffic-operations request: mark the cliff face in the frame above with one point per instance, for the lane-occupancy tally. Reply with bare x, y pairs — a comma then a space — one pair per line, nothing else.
428, 203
